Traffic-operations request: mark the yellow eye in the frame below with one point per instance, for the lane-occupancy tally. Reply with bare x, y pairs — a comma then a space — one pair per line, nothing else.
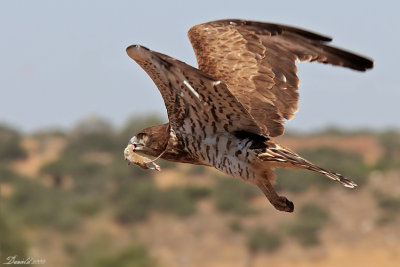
141, 137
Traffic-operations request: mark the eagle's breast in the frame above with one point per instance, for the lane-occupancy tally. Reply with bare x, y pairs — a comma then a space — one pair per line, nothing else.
224, 151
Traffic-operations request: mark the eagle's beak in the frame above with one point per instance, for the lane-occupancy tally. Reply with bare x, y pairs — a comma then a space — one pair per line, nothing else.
135, 144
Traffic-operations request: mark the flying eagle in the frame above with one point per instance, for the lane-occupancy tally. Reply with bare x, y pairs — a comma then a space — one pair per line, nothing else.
225, 113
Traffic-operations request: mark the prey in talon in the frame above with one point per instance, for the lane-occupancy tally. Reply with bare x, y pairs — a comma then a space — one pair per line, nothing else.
139, 160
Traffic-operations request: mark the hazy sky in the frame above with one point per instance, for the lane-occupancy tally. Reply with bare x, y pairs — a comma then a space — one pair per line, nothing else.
61, 61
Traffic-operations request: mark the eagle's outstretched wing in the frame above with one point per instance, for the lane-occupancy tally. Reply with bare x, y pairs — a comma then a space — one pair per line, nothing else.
195, 102
257, 62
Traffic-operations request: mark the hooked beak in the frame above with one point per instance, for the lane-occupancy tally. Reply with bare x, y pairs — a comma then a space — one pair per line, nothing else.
135, 145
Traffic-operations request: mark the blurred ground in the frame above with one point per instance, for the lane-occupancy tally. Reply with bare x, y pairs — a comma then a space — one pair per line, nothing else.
69, 198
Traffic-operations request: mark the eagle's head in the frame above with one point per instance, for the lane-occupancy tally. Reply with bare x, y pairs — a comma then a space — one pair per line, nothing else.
151, 141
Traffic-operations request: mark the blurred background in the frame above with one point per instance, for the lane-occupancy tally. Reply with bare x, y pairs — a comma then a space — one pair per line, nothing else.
72, 98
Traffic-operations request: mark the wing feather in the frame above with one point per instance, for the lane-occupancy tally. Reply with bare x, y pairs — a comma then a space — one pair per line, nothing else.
194, 100
257, 62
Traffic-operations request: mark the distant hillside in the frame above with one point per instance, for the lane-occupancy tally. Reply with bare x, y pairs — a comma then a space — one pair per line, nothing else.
71, 199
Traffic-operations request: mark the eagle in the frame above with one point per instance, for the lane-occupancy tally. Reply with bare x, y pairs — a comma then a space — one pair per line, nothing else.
226, 112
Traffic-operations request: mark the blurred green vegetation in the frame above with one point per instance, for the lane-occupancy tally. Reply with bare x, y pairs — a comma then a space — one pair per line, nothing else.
177, 201
12, 240
35, 205
80, 187
196, 170
390, 140
102, 252
132, 256
90, 179
136, 202
10, 144
233, 195
390, 207
305, 228
236, 226
260, 239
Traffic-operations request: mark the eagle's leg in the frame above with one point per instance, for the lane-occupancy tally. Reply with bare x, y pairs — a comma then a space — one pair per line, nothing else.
279, 202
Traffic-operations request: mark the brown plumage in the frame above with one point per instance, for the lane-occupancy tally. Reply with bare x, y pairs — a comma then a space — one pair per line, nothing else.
225, 113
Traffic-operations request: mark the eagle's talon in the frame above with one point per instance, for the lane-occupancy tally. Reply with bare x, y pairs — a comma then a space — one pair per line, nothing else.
283, 204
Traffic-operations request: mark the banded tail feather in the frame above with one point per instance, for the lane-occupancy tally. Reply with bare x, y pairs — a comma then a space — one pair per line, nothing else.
332, 175
287, 158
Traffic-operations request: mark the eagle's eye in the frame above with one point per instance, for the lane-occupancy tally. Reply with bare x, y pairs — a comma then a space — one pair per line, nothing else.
142, 138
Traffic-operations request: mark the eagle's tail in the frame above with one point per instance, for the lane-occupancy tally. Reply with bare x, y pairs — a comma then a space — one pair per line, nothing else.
283, 157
